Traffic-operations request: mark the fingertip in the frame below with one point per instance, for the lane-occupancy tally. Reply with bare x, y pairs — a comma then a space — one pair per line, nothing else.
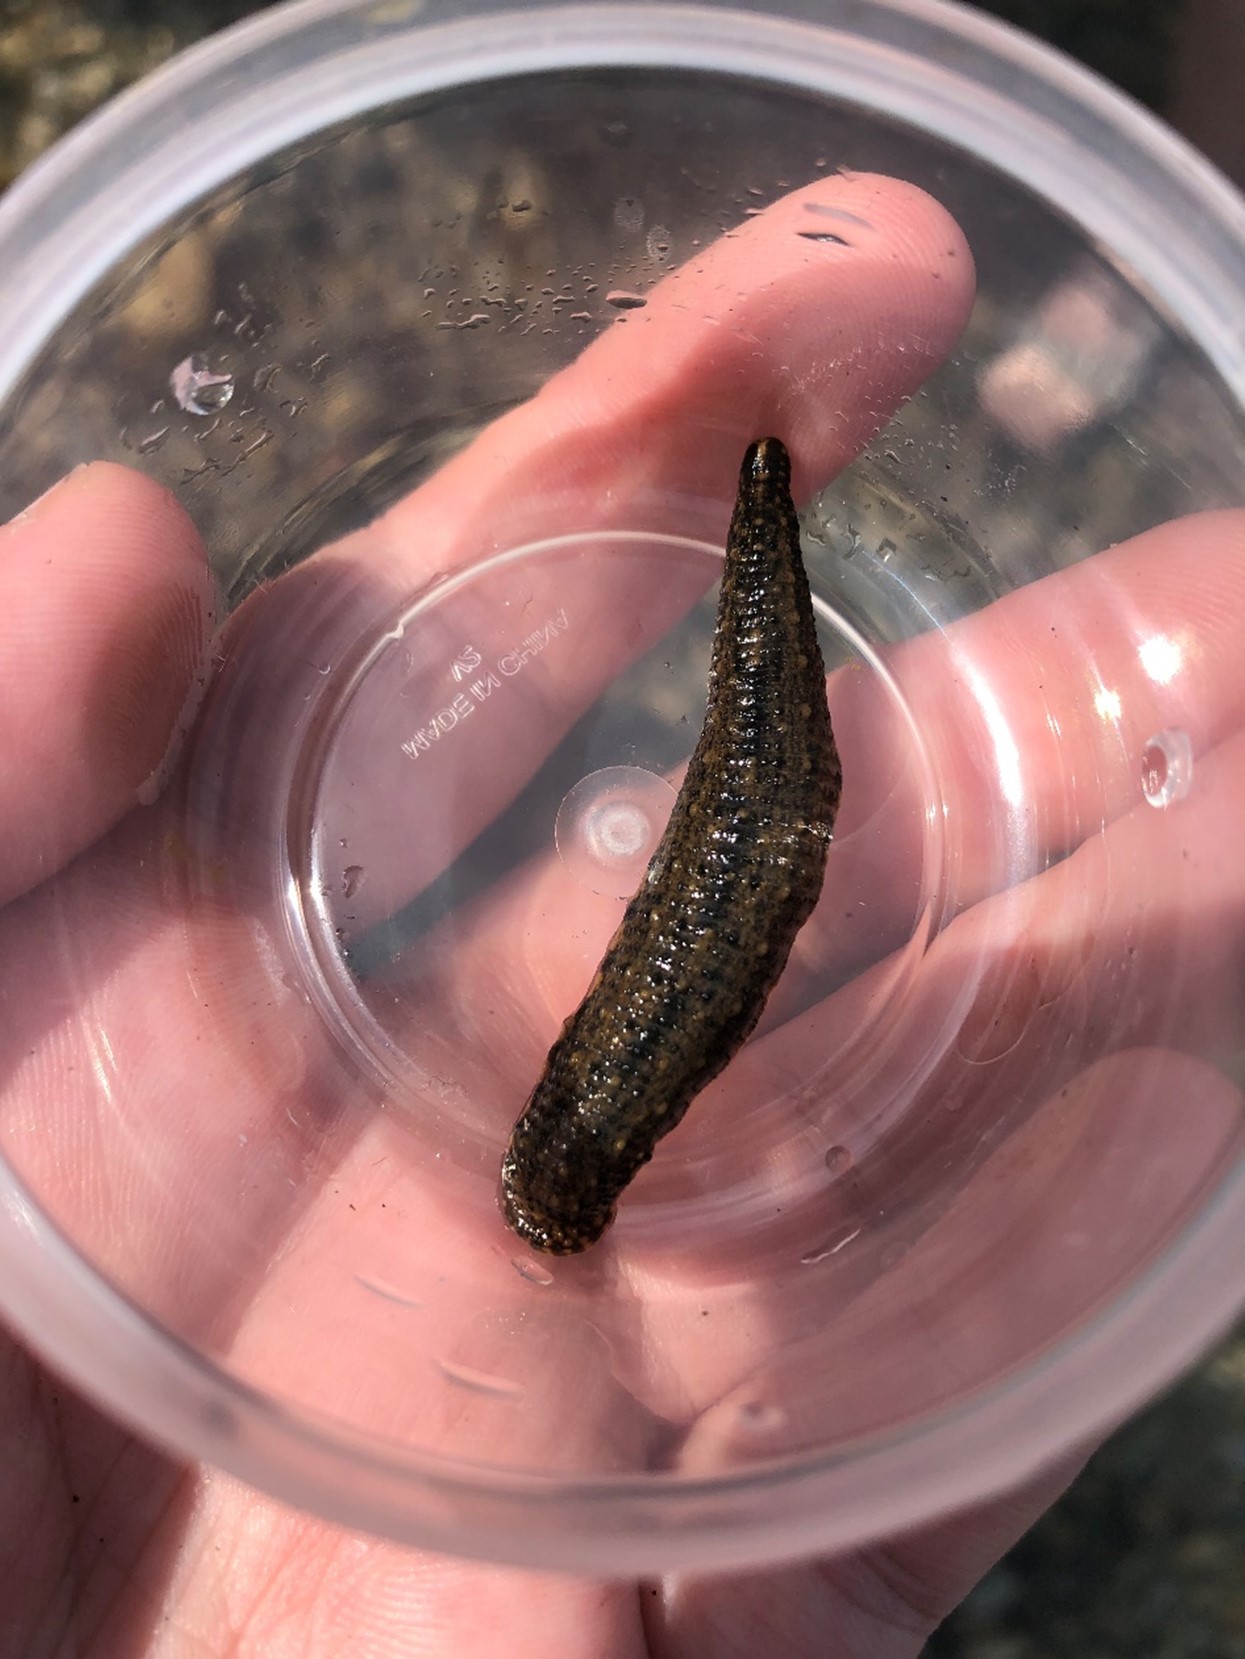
127, 499
110, 608
890, 284
934, 275
872, 214
815, 319
152, 682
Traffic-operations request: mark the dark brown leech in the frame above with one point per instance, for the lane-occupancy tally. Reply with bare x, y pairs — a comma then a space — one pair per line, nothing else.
733, 879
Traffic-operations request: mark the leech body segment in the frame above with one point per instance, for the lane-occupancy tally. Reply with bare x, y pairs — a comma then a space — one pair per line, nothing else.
734, 878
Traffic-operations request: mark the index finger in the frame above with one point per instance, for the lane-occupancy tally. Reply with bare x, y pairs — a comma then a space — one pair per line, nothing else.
778, 327
774, 328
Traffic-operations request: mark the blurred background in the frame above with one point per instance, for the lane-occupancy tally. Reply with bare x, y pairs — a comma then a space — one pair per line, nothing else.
1144, 1558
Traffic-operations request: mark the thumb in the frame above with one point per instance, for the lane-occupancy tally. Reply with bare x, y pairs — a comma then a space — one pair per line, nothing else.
109, 609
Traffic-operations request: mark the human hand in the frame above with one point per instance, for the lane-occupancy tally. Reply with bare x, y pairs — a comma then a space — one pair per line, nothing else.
224, 1192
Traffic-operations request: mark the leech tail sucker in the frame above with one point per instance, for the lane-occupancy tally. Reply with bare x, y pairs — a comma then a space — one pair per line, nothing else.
733, 879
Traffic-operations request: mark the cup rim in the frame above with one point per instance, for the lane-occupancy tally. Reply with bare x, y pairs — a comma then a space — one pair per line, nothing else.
74, 213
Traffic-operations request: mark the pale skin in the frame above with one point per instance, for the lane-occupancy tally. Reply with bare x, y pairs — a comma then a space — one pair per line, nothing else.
110, 1550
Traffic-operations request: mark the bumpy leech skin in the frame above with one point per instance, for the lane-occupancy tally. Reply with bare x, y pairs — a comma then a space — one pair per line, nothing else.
733, 879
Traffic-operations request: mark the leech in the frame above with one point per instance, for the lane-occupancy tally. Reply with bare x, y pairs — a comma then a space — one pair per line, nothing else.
734, 878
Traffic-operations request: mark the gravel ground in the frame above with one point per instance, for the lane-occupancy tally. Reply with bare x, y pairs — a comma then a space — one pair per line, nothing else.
1145, 1556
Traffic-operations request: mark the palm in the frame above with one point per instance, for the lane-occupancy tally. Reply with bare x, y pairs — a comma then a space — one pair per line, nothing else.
128, 1548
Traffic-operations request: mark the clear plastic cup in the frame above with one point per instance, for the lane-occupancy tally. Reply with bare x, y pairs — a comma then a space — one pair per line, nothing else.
933, 1227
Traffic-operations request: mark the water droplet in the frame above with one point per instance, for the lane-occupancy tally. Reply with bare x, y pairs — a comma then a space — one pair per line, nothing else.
759, 1417
388, 1293
628, 213
838, 1159
622, 299
659, 243
536, 1273
831, 1247
1167, 767
152, 441
831, 210
198, 389
823, 236
264, 436
480, 1382
477, 319
352, 880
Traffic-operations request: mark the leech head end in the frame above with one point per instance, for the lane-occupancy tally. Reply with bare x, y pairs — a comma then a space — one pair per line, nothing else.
767, 459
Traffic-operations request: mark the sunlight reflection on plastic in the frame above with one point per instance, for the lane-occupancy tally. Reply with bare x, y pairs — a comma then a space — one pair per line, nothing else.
608, 826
